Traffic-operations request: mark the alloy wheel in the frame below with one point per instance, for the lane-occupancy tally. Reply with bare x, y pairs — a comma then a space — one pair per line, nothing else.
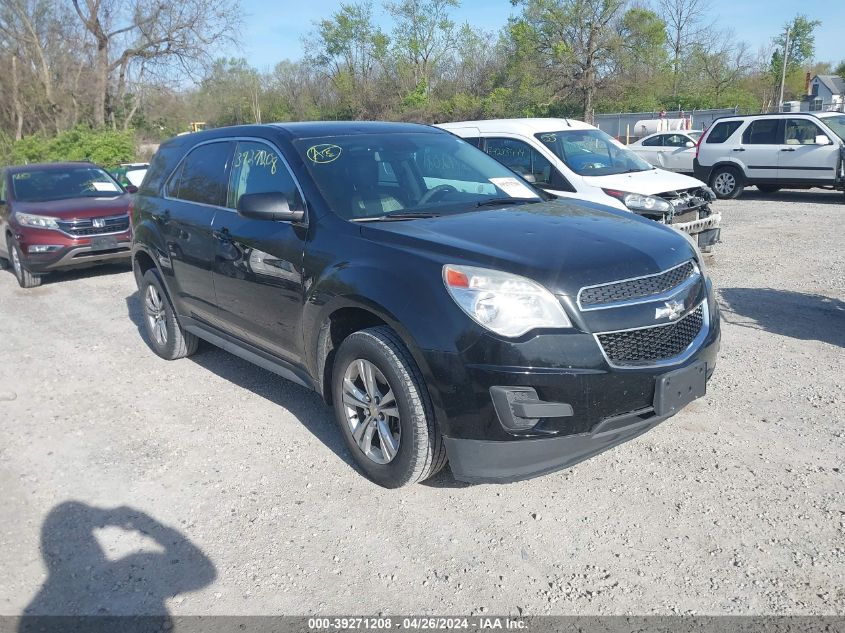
371, 411
16, 261
156, 315
725, 183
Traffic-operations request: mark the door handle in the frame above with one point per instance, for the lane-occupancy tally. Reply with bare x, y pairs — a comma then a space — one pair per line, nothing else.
739, 149
787, 149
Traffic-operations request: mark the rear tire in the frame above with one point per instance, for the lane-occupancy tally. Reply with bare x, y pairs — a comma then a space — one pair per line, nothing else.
164, 333
383, 409
768, 188
25, 278
727, 183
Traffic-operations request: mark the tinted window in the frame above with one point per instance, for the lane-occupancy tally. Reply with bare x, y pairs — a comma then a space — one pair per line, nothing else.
521, 158
258, 168
762, 132
801, 132
654, 141
723, 131
675, 140
203, 176
475, 141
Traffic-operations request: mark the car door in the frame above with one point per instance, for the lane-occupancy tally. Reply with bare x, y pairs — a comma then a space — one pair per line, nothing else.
258, 263
677, 156
193, 195
802, 160
762, 142
650, 149
528, 162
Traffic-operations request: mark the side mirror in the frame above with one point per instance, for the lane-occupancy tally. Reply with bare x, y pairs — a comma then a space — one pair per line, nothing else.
690, 144
822, 139
272, 206
131, 189
530, 178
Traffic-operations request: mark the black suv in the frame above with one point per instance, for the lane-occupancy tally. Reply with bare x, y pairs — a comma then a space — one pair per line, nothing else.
443, 305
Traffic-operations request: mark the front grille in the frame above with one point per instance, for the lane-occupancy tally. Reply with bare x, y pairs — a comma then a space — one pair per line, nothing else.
636, 288
653, 344
86, 228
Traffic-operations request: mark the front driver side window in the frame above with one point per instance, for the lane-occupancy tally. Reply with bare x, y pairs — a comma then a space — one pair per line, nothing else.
258, 168
520, 157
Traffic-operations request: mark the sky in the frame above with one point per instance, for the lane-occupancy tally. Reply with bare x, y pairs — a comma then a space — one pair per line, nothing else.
273, 29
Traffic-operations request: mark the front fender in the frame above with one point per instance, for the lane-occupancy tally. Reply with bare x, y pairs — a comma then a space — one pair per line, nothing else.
412, 300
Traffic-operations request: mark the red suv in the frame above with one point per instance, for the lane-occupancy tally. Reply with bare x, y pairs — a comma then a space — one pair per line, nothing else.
61, 215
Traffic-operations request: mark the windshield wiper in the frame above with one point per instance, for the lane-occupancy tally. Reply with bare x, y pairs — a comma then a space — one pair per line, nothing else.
398, 215
497, 202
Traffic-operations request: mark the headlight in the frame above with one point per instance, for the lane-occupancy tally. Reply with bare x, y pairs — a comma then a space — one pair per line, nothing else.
640, 202
36, 221
503, 303
709, 193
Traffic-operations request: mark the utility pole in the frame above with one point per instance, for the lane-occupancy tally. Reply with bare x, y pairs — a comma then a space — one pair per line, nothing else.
783, 70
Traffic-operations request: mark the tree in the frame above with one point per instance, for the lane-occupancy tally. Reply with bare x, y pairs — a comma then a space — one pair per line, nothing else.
802, 47
577, 41
158, 37
422, 37
840, 69
350, 49
685, 24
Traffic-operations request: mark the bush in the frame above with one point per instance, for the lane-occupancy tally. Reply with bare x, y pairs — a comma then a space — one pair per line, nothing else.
103, 147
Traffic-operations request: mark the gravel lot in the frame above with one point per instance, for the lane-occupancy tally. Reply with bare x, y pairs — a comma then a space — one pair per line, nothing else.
209, 486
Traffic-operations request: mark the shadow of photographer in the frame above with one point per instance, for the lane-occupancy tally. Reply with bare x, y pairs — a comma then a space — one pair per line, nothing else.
83, 581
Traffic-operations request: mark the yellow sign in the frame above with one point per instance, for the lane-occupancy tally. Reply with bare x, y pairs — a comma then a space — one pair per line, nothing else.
322, 154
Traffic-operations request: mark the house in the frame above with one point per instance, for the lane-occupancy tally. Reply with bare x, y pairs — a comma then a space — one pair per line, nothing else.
825, 93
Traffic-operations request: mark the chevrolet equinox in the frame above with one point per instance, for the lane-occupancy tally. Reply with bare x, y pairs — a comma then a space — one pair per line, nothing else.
445, 307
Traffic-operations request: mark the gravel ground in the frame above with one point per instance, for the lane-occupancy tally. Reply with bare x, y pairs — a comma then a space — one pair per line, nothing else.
209, 486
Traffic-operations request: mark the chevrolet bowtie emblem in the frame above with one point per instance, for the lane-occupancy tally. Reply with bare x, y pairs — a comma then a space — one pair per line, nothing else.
671, 309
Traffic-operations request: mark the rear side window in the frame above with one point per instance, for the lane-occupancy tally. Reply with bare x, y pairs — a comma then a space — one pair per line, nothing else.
258, 168
762, 132
203, 175
654, 141
475, 141
723, 131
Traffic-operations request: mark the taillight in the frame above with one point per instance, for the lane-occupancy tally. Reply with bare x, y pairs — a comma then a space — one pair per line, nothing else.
131, 210
698, 145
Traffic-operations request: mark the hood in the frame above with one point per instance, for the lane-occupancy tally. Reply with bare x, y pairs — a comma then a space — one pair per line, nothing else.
562, 244
76, 208
649, 182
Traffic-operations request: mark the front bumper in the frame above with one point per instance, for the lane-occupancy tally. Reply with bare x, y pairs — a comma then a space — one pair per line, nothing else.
609, 405
72, 252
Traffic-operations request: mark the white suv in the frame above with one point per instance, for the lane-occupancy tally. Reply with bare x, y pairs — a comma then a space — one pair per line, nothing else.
770, 151
573, 159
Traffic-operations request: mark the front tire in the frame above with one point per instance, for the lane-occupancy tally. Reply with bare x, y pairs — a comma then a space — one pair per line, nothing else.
727, 183
164, 333
383, 409
25, 278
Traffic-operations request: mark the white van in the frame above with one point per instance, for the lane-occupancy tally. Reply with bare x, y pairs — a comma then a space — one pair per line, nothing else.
573, 159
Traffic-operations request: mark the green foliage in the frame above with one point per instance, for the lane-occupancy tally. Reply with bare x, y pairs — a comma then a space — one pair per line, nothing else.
802, 46
840, 69
103, 147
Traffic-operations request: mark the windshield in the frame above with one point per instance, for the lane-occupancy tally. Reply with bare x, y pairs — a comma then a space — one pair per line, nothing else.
378, 175
836, 123
39, 185
592, 153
